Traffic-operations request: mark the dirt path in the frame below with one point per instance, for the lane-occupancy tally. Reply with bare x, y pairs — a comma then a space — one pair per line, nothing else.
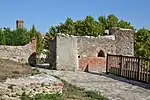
12, 69
112, 87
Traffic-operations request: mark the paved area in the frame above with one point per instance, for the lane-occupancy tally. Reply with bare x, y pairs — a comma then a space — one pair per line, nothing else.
112, 87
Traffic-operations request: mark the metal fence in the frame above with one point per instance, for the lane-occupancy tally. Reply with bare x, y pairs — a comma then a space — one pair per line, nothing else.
129, 67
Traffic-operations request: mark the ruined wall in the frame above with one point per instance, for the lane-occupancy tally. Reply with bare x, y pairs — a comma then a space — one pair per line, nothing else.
124, 41
66, 53
88, 49
120, 42
78, 52
23, 54
90, 46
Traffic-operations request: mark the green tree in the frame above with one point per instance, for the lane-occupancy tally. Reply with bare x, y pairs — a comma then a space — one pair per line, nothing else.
142, 43
39, 44
19, 37
124, 24
79, 28
103, 22
2, 37
32, 32
68, 27
112, 21
7, 33
49, 36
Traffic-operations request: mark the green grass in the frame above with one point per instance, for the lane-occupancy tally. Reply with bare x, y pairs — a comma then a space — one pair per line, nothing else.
35, 71
42, 97
70, 92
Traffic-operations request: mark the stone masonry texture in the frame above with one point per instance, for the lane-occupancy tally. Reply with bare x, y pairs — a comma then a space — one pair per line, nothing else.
78, 52
20, 54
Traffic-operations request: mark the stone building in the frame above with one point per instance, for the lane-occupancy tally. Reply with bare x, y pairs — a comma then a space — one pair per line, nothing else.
19, 24
78, 52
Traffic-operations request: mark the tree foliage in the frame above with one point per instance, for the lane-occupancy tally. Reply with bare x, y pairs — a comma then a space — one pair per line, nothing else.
142, 43
20, 37
91, 27
87, 27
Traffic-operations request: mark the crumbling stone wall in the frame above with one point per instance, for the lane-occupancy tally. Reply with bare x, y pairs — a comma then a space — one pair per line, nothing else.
22, 54
82, 51
91, 46
124, 41
88, 49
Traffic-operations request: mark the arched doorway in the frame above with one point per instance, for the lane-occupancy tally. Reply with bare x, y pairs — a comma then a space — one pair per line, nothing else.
101, 54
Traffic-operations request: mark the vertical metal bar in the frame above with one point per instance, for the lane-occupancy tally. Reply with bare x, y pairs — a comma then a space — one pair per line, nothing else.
136, 67
107, 64
120, 65
144, 70
128, 67
138, 78
125, 74
132, 68
122, 73
147, 70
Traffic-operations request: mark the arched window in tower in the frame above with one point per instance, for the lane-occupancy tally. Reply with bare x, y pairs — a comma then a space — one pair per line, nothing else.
101, 54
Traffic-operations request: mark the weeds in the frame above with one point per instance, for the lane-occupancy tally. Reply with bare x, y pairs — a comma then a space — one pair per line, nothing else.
70, 92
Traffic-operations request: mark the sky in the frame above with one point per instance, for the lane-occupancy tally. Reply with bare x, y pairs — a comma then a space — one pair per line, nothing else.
46, 13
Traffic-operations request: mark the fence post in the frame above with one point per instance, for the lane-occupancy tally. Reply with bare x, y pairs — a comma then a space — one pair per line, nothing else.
120, 65
107, 64
138, 76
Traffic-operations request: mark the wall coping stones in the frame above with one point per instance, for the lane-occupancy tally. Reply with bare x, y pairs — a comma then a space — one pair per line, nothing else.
111, 37
123, 29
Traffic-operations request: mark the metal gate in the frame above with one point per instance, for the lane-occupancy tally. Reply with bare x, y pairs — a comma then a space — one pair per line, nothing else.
129, 67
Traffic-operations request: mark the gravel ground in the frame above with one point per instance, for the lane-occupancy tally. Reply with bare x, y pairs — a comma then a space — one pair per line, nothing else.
112, 87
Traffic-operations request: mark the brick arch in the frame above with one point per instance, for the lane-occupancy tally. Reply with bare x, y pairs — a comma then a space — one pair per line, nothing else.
101, 54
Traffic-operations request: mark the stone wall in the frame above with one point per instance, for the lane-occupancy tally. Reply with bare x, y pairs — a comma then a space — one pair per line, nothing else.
124, 41
66, 53
23, 54
89, 48
81, 51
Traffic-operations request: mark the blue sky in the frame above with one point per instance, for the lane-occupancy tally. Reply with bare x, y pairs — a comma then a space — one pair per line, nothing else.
46, 13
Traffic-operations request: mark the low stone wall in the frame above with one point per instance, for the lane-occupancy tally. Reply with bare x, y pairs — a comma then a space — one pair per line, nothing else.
16, 53
12, 89
19, 53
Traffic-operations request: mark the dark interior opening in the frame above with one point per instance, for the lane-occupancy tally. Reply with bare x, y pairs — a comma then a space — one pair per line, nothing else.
101, 54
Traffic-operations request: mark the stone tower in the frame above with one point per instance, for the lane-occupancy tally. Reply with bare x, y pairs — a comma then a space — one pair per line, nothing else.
19, 24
